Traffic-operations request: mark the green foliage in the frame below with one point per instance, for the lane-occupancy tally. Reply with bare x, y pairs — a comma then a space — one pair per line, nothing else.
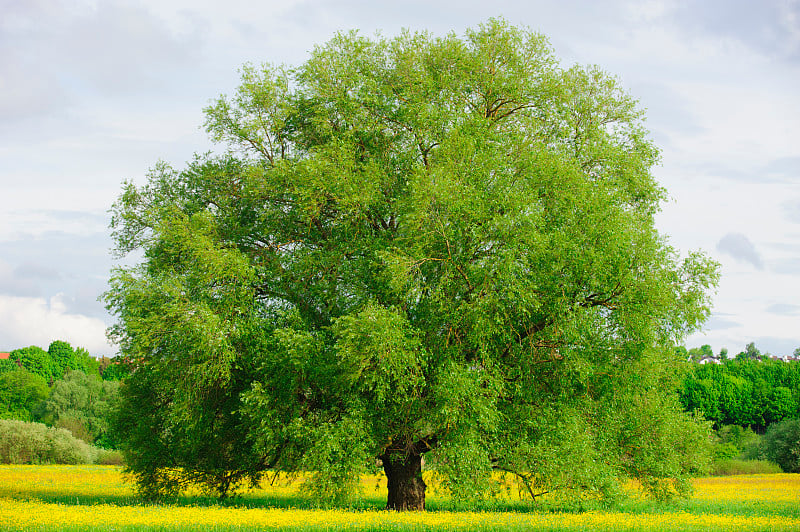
6, 365
109, 457
82, 404
116, 371
415, 245
741, 439
85, 362
53, 363
63, 358
21, 392
781, 445
744, 391
738, 466
750, 352
697, 353
36, 360
174, 418
34, 443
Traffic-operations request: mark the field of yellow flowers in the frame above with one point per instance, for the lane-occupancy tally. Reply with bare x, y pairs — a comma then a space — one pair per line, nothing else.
97, 498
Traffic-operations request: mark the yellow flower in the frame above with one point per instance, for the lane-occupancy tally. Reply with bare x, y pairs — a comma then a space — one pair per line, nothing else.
95, 497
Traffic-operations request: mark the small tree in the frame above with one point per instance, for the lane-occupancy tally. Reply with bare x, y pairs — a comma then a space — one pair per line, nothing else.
416, 246
750, 352
781, 444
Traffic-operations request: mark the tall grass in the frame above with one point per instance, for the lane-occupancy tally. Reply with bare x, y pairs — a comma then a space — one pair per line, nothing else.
737, 466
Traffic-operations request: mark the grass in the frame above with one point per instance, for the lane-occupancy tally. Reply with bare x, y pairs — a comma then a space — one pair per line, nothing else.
75, 498
735, 466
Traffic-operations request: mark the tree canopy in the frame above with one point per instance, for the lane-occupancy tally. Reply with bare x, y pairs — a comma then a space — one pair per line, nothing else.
63, 358
417, 245
81, 404
744, 391
20, 393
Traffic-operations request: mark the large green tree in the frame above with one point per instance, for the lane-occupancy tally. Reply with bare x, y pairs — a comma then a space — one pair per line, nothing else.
63, 357
21, 392
417, 246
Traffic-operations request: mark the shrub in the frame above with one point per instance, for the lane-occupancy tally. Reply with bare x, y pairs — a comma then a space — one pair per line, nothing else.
76, 427
23, 442
725, 451
781, 444
740, 437
734, 441
109, 457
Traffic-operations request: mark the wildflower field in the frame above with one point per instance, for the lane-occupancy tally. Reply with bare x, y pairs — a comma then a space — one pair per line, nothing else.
97, 498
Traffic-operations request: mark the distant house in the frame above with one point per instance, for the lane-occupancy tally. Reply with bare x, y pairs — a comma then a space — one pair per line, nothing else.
708, 360
4, 356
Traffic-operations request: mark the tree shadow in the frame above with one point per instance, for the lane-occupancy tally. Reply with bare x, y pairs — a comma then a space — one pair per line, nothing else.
295, 501
246, 500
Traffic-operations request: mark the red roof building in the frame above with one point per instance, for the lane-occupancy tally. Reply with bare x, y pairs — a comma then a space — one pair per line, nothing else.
4, 356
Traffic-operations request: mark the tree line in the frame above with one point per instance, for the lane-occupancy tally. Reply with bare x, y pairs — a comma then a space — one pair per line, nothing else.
61, 387
749, 392
750, 352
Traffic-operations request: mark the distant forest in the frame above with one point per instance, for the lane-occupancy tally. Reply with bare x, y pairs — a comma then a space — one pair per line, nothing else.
750, 389
62, 387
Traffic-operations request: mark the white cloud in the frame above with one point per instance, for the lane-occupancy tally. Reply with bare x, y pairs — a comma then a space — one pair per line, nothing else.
36, 321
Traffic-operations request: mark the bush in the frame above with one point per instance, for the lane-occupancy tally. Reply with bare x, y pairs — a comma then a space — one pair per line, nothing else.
725, 451
109, 457
76, 427
734, 466
741, 437
734, 441
781, 444
23, 442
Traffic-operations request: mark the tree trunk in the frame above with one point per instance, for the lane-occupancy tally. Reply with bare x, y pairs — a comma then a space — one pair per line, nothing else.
404, 479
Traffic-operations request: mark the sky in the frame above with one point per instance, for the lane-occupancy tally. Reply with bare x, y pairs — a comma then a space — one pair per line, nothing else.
96, 92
